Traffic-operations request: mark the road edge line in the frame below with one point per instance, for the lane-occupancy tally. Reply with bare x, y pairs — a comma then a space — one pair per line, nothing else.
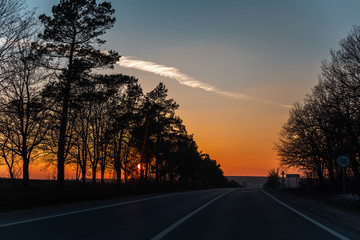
329, 230
182, 220
83, 210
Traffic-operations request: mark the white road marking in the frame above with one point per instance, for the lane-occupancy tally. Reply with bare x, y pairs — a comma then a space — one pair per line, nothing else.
182, 220
83, 210
336, 234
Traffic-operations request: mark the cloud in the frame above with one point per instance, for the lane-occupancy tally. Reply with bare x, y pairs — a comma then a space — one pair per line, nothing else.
174, 73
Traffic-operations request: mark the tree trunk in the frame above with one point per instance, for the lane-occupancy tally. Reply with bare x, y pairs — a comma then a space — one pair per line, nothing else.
125, 174
94, 176
12, 176
25, 172
9, 165
64, 120
103, 163
118, 177
157, 159
118, 159
330, 168
146, 172
355, 167
102, 172
62, 139
321, 178
83, 173
143, 158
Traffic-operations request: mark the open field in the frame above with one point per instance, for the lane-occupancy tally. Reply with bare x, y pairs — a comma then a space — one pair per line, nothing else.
44, 193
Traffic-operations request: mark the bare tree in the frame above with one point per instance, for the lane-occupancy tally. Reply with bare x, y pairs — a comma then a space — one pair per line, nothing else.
15, 22
341, 77
299, 143
327, 124
10, 159
23, 120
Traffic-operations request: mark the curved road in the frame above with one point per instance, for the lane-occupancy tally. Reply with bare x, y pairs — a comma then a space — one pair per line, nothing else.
206, 214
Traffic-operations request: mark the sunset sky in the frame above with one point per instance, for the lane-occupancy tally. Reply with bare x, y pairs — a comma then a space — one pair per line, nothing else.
233, 66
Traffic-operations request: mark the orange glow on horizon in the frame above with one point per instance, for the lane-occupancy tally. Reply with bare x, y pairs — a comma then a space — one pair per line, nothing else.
242, 143
240, 140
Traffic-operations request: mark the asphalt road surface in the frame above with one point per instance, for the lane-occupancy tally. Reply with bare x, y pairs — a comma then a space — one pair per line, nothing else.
206, 214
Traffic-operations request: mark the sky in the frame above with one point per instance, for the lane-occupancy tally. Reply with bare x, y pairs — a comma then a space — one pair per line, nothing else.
234, 67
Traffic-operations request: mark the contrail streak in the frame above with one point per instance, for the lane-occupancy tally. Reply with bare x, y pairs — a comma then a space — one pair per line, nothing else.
174, 73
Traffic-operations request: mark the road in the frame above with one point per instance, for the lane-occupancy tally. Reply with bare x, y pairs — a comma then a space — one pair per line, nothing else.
206, 214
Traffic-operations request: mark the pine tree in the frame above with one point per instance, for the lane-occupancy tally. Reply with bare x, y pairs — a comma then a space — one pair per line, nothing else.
71, 36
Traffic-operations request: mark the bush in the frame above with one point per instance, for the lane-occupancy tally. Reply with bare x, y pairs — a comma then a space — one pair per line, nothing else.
272, 179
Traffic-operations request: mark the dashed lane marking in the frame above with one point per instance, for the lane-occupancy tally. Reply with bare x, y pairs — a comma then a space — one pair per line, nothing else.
182, 220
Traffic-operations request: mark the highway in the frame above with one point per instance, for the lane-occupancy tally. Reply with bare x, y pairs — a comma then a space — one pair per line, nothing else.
207, 214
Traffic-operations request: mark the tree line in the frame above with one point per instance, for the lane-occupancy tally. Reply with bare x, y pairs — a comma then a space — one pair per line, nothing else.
58, 107
327, 124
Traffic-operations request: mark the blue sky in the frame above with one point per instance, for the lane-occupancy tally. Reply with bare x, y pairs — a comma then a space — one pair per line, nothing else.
270, 50
242, 41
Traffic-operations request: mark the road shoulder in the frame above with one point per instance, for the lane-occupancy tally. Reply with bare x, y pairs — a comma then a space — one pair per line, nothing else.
335, 218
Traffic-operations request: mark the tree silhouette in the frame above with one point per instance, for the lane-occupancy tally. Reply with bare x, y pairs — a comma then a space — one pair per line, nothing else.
272, 180
16, 24
55, 108
156, 115
327, 124
71, 35
24, 121
123, 107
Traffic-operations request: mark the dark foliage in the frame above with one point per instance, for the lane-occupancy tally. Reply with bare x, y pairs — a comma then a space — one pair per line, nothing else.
326, 124
67, 114
272, 179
